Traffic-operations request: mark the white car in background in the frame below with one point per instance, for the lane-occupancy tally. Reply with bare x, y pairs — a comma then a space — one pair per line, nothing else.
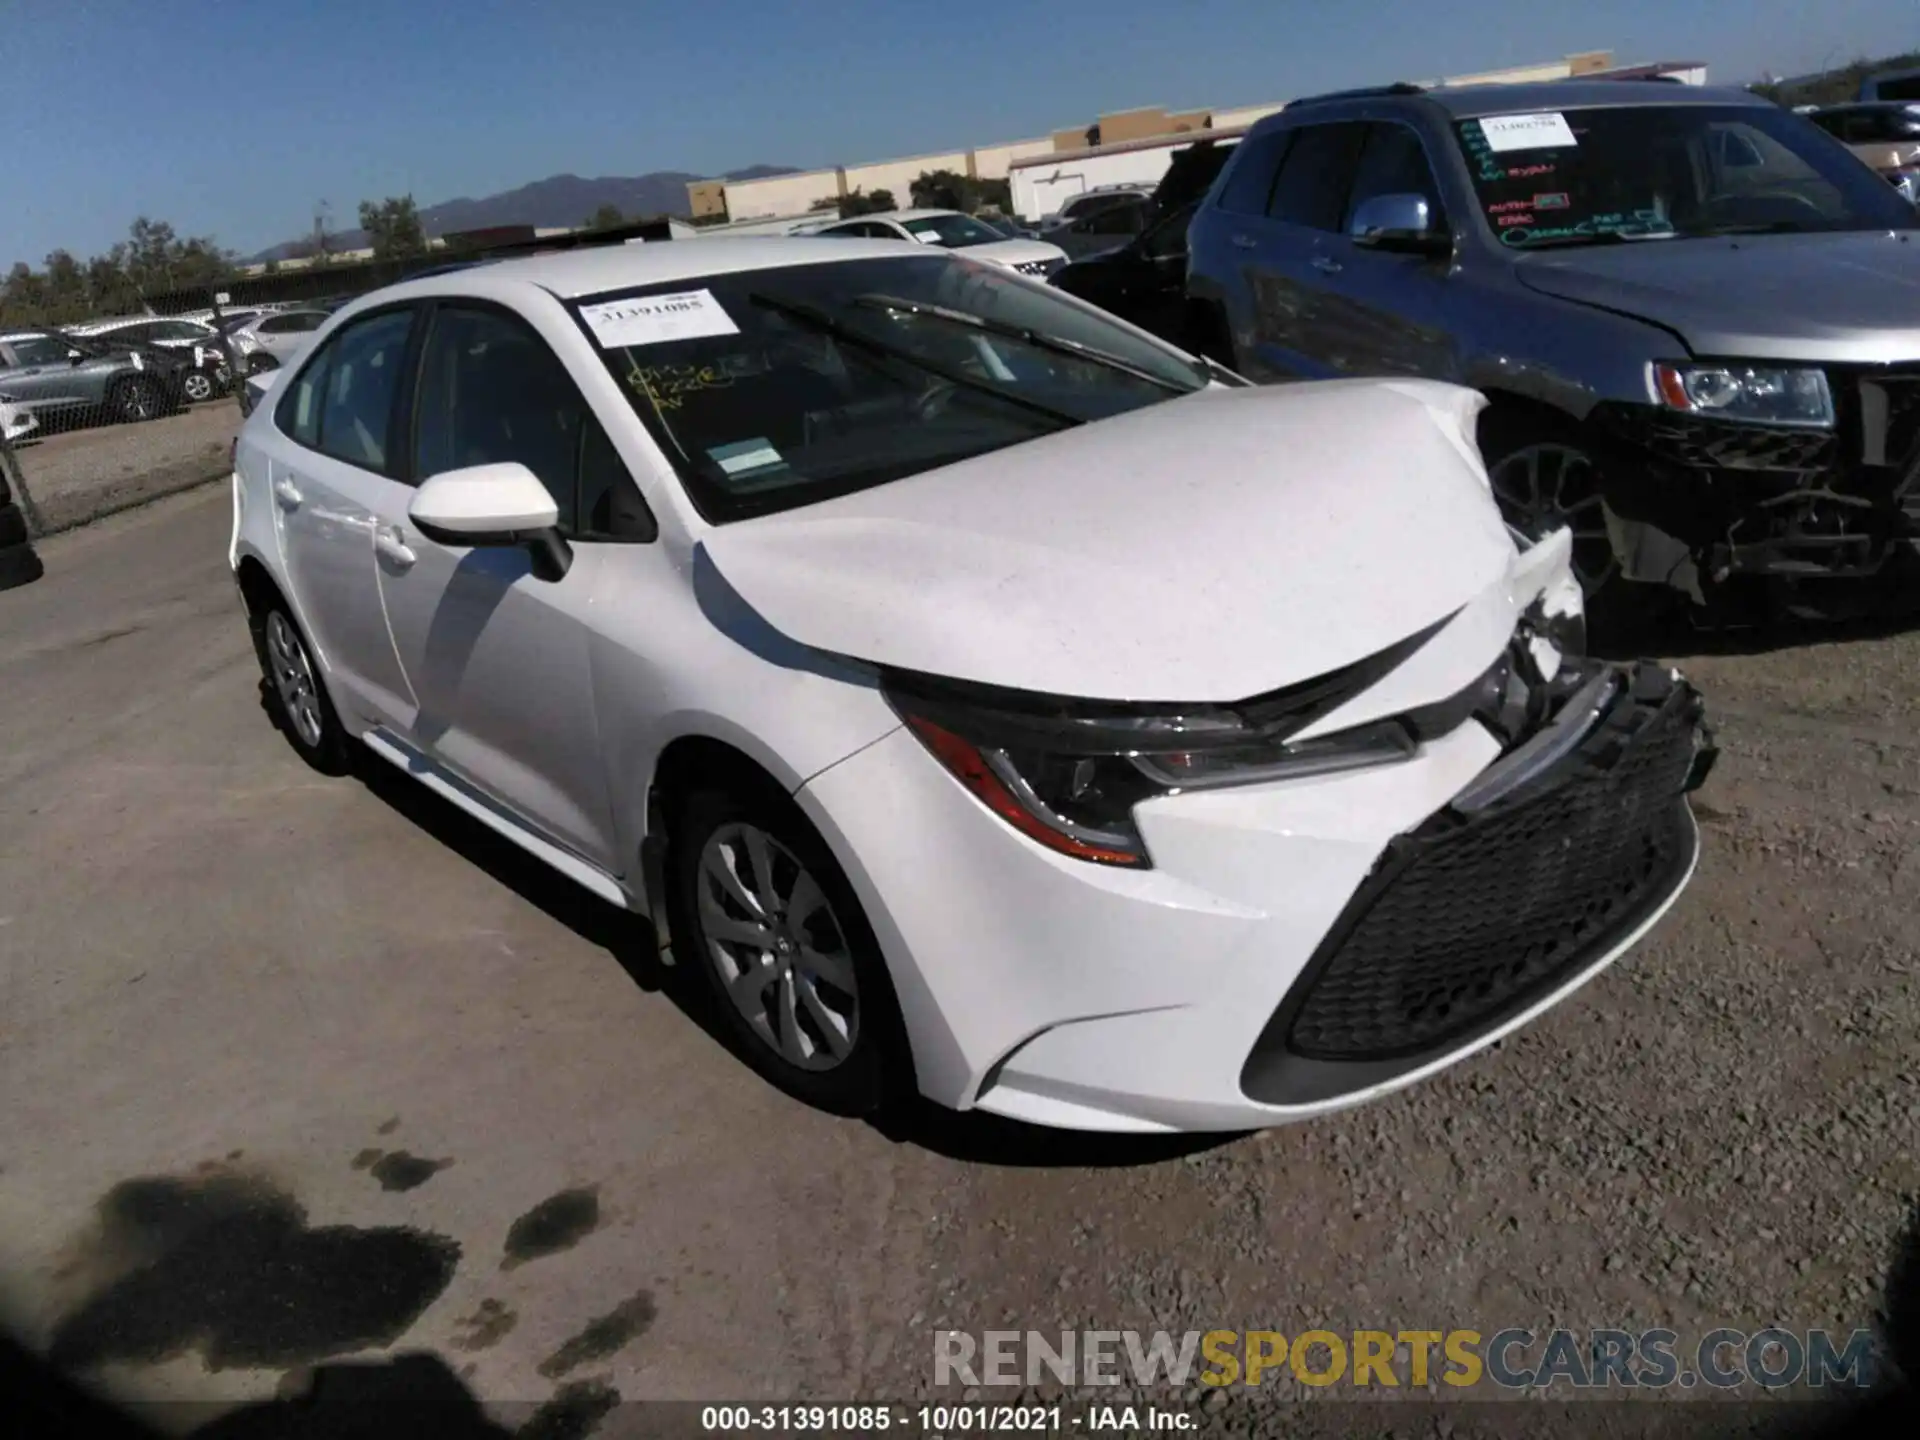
269, 340
950, 230
989, 700
17, 421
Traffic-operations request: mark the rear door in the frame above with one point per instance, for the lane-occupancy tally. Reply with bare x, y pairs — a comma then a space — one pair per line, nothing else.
1379, 312
330, 468
1233, 249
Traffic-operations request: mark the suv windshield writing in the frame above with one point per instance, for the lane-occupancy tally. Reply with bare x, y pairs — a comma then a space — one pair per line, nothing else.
797, 384
1647, 172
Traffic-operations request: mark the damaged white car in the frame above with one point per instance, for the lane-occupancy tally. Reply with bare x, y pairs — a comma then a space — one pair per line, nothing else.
988, 700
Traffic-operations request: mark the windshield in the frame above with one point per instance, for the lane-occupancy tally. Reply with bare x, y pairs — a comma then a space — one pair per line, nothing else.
772, 389
1655, 172
953, 231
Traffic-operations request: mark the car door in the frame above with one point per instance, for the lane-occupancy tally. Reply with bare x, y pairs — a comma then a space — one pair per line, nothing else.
497, 658
42, 372
1107, 228
1238, 263
1299, 249
1381, 311
329, 470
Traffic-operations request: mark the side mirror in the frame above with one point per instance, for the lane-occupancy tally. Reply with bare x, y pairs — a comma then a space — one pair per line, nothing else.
74, 357
494, 506
1397, 222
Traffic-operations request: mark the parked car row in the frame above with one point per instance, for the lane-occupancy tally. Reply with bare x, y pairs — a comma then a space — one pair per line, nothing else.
999, 703
63, 378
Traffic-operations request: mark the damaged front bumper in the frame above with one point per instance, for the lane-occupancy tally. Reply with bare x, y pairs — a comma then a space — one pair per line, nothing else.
1528, 881
1825, 520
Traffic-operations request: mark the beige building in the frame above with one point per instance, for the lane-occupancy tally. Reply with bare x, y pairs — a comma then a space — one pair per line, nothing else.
794, 196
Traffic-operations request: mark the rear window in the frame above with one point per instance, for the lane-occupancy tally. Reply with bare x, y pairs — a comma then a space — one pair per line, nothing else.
772, 389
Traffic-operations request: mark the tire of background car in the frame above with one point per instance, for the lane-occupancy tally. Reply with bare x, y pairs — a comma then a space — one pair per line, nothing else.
137, 398
758, 907
260, 362
1544, 478
296, 693
198, 385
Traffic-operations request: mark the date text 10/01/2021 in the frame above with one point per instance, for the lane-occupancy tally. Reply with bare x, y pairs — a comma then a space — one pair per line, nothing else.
941, 1420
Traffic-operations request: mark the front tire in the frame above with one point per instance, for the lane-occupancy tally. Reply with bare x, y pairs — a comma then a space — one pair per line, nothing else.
1545, 480
759, 908
296, 695
198, 387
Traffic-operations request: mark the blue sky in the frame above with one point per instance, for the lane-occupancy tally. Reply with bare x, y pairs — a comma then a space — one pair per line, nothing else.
234, 119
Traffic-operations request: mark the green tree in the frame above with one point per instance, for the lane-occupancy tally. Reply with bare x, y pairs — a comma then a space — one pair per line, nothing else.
950, 190
606, 217
857, 203
66, 286
393, 228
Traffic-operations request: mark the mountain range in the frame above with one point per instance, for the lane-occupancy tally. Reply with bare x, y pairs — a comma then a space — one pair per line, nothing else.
556, 200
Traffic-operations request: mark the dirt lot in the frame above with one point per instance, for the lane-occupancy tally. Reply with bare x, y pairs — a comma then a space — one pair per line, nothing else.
329, 1029
76, 476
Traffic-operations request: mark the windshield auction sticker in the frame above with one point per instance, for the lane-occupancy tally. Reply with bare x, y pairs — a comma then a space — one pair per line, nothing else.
657, 319
1527, 132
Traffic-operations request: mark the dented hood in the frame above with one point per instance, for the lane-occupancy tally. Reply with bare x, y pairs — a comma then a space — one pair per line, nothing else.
1212, 547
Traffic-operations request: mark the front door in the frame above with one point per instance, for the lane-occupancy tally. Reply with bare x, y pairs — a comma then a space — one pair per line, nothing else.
328, 477
498, 659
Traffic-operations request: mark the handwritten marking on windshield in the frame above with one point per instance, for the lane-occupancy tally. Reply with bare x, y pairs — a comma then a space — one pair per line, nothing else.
667, 386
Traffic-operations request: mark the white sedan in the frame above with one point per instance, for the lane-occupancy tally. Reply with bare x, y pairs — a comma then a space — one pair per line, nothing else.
990, 701
950, 230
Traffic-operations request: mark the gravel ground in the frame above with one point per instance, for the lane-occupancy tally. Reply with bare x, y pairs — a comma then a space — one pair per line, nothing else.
1720, 1131
77, 476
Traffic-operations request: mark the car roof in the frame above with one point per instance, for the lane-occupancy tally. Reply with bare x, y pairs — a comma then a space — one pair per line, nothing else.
1466, 102
918, 213
600, 269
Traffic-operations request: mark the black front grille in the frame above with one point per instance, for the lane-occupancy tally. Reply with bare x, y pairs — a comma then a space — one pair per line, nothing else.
1470, 916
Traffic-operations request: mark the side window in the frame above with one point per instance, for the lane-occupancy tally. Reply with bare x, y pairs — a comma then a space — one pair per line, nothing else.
305, 321
1123, 218
1168, 238
1393, 162
275, 325
1313, 183
362, 379
39, 350
1255, 162
492, 390
298, 413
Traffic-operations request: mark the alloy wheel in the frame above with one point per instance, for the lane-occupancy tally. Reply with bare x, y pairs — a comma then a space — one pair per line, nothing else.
779, 951
198, 386
293, 679
137, 402
1547, 487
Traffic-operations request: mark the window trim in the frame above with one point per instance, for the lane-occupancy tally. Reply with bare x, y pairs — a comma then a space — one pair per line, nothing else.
416, 367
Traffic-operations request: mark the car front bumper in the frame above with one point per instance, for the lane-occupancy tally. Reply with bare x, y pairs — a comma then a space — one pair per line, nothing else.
1831, 516
1298, 947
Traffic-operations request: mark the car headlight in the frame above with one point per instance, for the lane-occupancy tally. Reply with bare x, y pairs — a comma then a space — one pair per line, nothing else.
1068, 773
1763, 394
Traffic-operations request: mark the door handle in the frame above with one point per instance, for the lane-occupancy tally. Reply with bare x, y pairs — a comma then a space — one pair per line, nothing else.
287, 493
1244, 242
391, 543
1326, 264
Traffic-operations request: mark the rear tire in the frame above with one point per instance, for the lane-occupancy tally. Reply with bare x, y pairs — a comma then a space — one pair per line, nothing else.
198, 386
761, 911
295, 691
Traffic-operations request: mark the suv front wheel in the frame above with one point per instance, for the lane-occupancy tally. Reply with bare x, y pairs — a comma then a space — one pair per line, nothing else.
1545, 480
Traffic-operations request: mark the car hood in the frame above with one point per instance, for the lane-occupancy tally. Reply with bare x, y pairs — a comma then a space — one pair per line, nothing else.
1209, 548
1012, 252
1849, 296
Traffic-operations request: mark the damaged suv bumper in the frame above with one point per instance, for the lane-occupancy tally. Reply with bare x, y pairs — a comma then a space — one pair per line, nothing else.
1823, 522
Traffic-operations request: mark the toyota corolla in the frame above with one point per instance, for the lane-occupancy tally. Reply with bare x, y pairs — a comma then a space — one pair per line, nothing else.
986, 699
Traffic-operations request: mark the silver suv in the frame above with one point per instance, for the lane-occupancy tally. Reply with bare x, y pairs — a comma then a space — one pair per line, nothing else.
1690, 309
